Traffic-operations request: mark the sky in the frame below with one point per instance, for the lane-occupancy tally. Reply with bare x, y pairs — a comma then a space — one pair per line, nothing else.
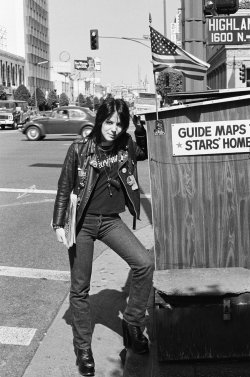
122, 61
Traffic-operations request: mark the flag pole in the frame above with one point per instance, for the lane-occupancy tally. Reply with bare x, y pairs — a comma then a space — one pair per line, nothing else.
156, 102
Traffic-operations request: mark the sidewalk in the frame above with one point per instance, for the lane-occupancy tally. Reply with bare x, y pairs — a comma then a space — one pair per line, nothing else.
109, 290
55, 356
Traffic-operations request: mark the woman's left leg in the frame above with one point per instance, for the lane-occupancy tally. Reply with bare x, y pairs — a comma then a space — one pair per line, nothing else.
115, 234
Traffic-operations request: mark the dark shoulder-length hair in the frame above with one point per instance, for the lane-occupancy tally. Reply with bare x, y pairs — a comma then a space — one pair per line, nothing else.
105, 112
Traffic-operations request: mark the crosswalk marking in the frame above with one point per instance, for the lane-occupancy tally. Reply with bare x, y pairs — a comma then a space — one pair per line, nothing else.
53, 192
17, 336
25, 203
28, 191
34, 273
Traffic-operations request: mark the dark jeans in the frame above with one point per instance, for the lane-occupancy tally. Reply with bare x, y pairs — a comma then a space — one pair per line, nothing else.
115, 234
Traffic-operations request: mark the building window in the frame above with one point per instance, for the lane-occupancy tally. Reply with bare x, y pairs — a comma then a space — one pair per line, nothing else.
8, 76
3, 75
13, 76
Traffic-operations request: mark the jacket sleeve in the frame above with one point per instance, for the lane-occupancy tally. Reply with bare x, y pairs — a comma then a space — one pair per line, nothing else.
141, 149
65, 186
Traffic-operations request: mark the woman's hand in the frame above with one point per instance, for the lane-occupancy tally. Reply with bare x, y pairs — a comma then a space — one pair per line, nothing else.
139, 124
60, 235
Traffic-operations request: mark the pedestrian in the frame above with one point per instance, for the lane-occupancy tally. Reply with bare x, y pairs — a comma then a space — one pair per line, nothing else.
102, 169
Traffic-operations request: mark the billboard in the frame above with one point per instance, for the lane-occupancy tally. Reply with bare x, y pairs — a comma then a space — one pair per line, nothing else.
81, 65
91, 64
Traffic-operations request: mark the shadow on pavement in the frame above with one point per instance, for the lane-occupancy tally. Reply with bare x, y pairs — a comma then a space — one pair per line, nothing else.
146, 205
107, 307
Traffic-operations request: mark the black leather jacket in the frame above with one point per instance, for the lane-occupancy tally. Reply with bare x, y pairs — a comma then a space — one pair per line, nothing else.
80, 173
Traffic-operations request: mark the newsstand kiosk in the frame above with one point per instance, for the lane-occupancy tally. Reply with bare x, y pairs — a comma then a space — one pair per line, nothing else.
199, 161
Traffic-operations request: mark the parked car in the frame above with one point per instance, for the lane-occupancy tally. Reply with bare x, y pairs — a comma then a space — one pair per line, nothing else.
62, 120
13, 113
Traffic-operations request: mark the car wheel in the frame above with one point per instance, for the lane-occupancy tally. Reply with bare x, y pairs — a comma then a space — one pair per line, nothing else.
33, 133
3, 127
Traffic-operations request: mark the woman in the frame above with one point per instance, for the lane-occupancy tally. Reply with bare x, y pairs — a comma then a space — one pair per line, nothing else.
101, 169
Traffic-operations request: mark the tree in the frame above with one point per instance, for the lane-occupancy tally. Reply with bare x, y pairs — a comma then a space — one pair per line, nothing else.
81, 100
63, 100
52, 99
169, 81
96, 103
3, 94
40, 99
89, 102
22, 93
101, 100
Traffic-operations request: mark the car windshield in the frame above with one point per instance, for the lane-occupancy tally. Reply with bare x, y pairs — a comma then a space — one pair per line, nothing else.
89, 112
7, 105
23, 105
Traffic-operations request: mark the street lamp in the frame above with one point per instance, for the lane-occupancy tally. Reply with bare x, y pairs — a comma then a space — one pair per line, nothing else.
36, 64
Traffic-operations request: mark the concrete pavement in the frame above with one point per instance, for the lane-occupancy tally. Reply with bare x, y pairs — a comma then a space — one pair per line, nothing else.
109, 291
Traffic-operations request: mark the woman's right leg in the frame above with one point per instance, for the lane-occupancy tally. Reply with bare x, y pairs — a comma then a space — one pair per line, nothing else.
81, 257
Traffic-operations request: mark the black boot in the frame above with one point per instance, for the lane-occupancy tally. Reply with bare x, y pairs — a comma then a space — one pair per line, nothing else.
133, 338
85, 362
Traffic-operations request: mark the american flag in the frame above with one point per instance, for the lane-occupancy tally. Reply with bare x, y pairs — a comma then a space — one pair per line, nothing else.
166, 54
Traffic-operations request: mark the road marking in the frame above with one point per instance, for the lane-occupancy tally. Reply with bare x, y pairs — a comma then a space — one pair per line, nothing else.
9, 132
34, 273
26, 193
53, 192
16, 335
25, 203
28, 190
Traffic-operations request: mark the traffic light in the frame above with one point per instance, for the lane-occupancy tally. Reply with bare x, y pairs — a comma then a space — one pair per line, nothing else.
209, 8
243, 73
226, 6
217, 7
94, 39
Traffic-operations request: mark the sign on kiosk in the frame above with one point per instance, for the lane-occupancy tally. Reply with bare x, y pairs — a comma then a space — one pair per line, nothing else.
229, 30
211, 137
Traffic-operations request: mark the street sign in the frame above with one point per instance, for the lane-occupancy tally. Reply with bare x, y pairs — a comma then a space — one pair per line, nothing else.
81, 65
228, 30
201, 138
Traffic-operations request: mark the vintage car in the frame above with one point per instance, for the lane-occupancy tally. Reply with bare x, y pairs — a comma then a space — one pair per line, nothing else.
62, 120
13, 113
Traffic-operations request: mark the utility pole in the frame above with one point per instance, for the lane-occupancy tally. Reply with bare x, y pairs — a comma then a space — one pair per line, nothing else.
165, 17
193, 38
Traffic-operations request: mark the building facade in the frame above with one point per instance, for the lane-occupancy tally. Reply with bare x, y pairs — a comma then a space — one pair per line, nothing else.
11, 71
24, 45
226, 60
176, 29
36, 37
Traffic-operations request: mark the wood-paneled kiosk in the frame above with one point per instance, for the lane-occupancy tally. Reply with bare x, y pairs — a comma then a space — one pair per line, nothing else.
199, 159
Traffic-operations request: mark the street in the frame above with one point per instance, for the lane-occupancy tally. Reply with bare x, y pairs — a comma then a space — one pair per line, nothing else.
34, 272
